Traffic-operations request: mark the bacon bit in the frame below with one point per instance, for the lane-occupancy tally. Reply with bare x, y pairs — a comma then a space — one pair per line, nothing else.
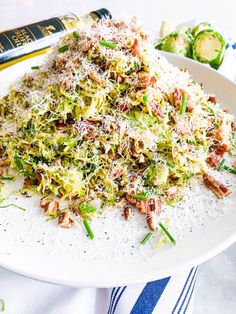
152, 220
130, 199
127, 212
122, 107
28, 182
116, 174
157, 110
221, 150
94, 122
212, 99
135, 48
226, 110
134, 152
152, 81
63, 126
142, 206
146, 80
120, 79
96, 78
155, 205
60, 62
113, 126
3, 163
65, 85
213, 160
140, 157
177, 96
183, 69
143, 35
57, 162
38, 176
64, 220
217, 187
50, 206
218, 133
233, 126
176, 99
91, 135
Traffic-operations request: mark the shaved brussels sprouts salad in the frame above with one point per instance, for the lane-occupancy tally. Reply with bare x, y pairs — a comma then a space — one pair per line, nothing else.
107, 118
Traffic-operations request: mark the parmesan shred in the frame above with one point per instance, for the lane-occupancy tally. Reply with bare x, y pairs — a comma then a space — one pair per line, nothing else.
102, 119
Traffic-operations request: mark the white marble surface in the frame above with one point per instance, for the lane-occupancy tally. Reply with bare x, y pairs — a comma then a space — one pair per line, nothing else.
216, 284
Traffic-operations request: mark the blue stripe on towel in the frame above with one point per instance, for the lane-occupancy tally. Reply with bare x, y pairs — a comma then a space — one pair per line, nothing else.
186, 295
181, 294
117, 300
190, 297
112, 298
149, 297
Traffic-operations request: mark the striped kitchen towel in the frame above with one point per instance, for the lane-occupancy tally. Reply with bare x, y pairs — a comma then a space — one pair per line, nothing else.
169, 295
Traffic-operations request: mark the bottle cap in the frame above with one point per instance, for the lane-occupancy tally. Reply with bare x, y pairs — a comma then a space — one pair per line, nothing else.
103, 14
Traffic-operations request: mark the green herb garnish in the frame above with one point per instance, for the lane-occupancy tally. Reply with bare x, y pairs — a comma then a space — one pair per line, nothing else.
14, 205
221, 165
217, 121
229, 169
139, 197
63, 48
75, 35
169, 165
36, 67
184, 103
87, 227
145, 98
6, 178
87, 208
2, 305
21, 167
146, 238
167, 233
107, 44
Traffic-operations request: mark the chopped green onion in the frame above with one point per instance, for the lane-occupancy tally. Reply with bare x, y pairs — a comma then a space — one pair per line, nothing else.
6, 178
87, 208
145, 98
75, 35
217, 121
184, 103
139, 197
36, 67
221, 165
2, 305
146, 238
230, 169
167, 233
87, 227
9, 205
63, 48
107, 44
169, 165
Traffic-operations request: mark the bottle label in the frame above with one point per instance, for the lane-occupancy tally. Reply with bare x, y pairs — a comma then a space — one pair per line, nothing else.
12, 42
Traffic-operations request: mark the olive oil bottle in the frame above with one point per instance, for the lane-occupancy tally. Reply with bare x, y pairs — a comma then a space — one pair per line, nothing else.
35, 39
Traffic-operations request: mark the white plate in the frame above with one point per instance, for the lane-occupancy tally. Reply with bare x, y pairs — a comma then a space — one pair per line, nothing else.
43, 251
